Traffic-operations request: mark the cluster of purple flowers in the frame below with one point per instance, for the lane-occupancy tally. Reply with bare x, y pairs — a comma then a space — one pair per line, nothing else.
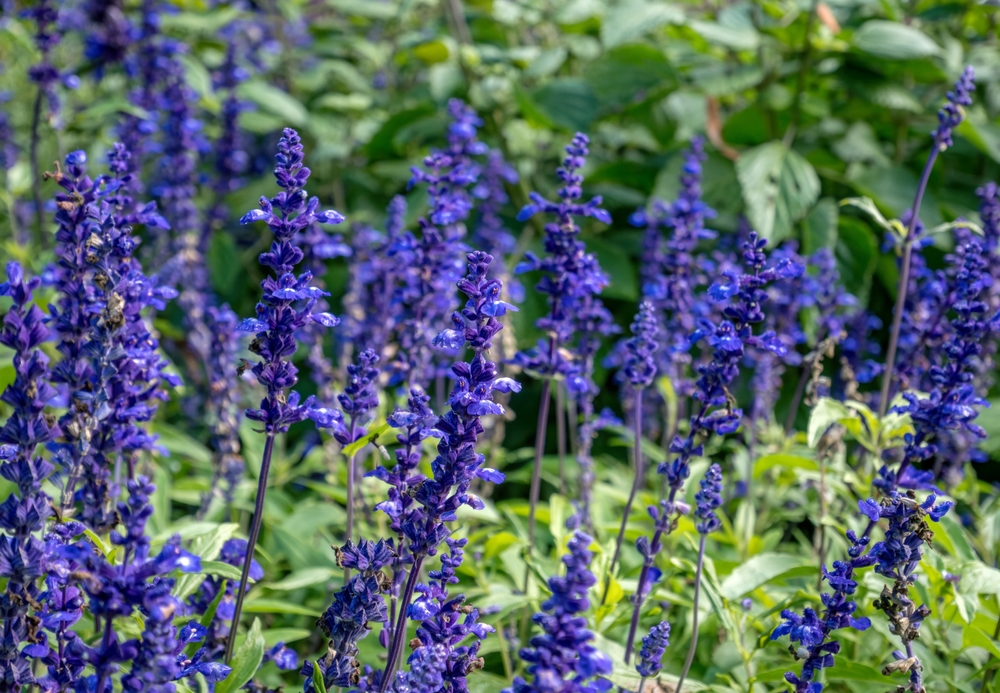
562, 658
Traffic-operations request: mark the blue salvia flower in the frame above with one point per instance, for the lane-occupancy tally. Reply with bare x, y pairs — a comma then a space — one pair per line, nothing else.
639, 369
671, 271
223, 405
120, 590
146, 63
952, 404
654, 645
457, 463
415, 422
109, 36
708, 499
356, 608
428, 667
571, 274
952, 114
714, 412
563, 658
449, 173
23, 513
446, 621
572, 279
286, 307
897, 557
811, 634
434, 261
48, 34
288, 300
371, 306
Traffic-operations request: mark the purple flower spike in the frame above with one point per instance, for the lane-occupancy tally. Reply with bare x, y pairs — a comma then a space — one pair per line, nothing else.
457, 464
654, 645
952, 113
287, 306
709, 499
562, 658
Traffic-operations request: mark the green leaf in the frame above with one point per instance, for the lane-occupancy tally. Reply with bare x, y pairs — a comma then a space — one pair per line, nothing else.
622, 73
278, 606
207, 547
827, 412
223, 272
246, 660
894, 41
317, 678
848, 670
779, 187
736, 38
180, 443
274, 101
783, 461
303, 578
374, 432
498, 543
272, 636
977, 637
821, 226
631, 19
757, 571
979, 579
567, 101
220, 569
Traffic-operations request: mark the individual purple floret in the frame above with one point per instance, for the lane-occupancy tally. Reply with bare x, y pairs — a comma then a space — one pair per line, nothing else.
286, 307
457, 463
356, 608
654, 645
562, 658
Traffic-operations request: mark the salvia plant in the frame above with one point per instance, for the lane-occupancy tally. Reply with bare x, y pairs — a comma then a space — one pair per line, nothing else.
672, 420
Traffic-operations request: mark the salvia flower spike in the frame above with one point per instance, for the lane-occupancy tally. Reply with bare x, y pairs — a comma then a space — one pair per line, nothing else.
286, 307
949, 117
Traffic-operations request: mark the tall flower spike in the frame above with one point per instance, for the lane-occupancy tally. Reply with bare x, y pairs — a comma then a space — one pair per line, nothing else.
654, 645
640, 370
457, 463
23, 513
286, 307
572, 278
949, 117
713, 412
709, 498
563, 658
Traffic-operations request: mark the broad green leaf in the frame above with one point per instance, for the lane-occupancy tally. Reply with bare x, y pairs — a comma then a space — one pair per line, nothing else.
220, 569
498, 543
277, 606
273, 100
976, 637
622, 73
849, 670
431, 52
272, 636
207, 547
634, 18
779, 186
246, 660
303, 578
568, 102
757, 571
827, 412
783, 461
180, 443
485, 682
735, 38
894, 41
821, 226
